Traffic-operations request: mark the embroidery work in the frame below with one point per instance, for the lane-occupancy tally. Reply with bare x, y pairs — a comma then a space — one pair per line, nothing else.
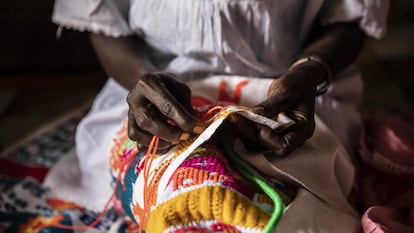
194, 183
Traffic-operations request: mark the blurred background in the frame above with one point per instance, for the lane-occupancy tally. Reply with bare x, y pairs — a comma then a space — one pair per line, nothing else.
43, 78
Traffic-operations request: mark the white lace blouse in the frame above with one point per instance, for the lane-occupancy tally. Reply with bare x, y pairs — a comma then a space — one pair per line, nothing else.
245, 37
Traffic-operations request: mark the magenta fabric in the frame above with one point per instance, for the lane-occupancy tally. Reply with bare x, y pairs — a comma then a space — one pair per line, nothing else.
386, 183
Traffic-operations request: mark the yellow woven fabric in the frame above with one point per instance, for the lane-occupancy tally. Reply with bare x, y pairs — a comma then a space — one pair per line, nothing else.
207, 203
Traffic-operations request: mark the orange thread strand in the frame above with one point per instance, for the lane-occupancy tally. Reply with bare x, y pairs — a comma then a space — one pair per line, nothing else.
215, 108
148, 188
125, 165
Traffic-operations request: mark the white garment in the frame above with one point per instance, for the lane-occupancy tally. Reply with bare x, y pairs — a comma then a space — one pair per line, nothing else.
242, 37
84, 177
245, 37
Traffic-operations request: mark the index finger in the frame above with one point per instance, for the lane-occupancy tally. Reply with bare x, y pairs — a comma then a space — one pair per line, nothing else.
283, 144
272, 106
284, 141
169, 106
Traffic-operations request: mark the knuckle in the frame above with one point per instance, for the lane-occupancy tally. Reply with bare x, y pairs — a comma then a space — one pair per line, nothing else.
143, 121
130, 97
278, 151
282, 151
167, 108
139, 137
144, 83
132, 134
288, 140
265, 133
151, 78
134, 98
141, 147
145, 78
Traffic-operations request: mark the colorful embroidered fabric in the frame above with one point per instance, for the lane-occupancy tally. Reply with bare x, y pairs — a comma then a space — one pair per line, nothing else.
26, 206
205, 193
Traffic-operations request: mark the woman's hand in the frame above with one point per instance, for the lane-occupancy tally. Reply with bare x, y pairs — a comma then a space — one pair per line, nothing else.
293, 94
159, 105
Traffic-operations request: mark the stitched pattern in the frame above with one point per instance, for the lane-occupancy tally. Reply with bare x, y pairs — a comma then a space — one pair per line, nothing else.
204, 192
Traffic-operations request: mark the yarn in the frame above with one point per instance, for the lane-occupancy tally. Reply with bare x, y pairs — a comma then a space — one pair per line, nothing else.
200, 202
253, 175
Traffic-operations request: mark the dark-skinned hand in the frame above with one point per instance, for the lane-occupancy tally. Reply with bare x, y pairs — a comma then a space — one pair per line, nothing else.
159, 105
293, 94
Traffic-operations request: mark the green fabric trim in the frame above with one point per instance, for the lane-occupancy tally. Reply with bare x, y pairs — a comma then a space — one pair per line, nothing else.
250, 173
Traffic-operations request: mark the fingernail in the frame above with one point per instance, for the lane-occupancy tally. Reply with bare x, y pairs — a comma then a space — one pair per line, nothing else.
184, 137
198, 129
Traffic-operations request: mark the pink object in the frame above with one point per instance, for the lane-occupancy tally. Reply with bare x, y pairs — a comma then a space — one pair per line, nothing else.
389, 145
380, 219
386, 182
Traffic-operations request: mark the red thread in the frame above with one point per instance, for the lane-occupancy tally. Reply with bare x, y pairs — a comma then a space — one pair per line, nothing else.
149, 188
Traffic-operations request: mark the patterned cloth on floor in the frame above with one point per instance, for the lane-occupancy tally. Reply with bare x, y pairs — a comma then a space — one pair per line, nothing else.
26, 206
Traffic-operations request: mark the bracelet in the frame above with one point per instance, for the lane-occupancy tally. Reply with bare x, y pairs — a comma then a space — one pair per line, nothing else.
321, 88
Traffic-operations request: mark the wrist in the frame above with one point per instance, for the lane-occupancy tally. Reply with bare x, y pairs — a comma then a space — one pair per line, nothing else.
138, 73
316, 69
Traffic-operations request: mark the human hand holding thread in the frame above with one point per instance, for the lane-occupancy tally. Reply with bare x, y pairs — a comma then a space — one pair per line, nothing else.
159, 105
292, 94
